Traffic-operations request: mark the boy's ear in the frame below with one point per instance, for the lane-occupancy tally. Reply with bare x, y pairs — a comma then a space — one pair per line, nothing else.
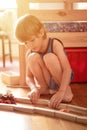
41, 34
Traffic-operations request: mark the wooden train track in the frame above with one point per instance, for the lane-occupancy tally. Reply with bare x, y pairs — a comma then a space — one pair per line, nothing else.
64, 111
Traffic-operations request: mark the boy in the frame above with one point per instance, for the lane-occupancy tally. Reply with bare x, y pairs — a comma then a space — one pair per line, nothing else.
47, 68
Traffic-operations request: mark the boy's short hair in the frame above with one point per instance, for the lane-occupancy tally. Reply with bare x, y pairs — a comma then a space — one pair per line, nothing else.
27, 26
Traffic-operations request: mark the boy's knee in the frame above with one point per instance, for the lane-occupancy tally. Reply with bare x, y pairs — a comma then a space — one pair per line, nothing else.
48, 57
33, 58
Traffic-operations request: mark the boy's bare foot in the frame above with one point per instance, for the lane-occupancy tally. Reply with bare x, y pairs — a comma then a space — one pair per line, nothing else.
68, 95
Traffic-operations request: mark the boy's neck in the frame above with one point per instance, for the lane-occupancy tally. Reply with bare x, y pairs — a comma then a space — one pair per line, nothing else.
45, 45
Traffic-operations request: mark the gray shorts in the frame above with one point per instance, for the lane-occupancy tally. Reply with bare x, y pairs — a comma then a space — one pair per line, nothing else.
53, 85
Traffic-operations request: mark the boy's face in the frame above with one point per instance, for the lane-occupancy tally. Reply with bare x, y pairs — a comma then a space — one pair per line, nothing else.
34, 43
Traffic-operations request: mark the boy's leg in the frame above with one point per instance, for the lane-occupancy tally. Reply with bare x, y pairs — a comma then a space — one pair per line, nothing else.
54, 67
40, 72
68, 95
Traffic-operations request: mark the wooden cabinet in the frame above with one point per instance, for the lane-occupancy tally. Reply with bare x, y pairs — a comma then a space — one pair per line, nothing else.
78, 61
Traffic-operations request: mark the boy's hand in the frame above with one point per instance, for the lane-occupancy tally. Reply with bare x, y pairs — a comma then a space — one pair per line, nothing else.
56, 99
34, 95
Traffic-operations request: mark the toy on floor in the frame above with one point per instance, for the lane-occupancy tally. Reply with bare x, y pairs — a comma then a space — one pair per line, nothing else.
7, 98
24, 105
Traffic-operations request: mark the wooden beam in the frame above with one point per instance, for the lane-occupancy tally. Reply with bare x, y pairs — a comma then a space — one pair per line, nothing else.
22, 65
45, 102
44, 1
71, 39
60, 15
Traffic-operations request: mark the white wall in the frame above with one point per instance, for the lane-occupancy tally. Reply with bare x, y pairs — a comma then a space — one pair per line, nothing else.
14, 47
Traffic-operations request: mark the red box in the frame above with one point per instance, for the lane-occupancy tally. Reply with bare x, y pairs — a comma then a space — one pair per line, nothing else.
78, 61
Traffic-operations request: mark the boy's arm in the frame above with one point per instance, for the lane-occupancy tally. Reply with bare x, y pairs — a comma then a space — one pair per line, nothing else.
30, 82
34, 94
66, 74
65, 65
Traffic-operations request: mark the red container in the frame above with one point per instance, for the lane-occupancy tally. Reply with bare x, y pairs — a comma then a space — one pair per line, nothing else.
78, 61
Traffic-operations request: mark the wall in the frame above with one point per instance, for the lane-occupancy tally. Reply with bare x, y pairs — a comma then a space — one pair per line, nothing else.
15, 49
8, 18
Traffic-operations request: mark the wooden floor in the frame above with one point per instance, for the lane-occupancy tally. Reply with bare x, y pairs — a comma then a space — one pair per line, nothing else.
21, 121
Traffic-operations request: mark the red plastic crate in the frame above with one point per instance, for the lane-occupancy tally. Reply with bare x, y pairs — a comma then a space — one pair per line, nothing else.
78, 61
